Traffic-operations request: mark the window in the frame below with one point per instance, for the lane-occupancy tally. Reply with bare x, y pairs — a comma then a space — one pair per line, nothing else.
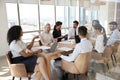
82, 16
33, 17
46, 15
94, 14
72, 15
29, 17
27, 37
12, 14
87, 16
62, 15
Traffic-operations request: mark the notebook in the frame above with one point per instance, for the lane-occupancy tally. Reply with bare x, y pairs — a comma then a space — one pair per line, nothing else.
65, 49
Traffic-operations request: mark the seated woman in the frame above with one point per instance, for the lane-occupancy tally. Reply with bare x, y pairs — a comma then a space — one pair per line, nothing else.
46, 37
99, 43
83, 47
23, 54
97, 23
57, 31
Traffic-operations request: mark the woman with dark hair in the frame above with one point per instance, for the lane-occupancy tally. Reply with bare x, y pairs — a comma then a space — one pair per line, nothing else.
99, 43
96, 23
22, 53
57, 31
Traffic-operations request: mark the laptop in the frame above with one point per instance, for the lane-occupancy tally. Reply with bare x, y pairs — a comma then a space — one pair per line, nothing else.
77, 39
52, 48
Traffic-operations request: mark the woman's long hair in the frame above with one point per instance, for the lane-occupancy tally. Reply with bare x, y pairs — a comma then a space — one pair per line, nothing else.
100, 28
14, 33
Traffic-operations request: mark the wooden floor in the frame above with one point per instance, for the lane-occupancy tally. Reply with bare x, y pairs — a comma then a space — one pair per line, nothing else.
93, 75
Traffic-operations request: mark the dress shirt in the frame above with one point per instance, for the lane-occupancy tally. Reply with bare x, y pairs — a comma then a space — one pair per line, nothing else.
71, 32
99, 44
16, 47
115, 36
83, 47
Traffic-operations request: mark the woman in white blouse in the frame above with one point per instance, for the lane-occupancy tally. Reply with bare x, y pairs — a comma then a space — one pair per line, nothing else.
46, 37
22, 53
99, 43
83, 47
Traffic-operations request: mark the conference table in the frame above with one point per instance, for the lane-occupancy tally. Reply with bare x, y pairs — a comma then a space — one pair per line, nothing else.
64, 47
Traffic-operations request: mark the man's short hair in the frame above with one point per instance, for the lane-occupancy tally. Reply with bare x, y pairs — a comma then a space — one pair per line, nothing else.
82, 30
76, 22
113, 23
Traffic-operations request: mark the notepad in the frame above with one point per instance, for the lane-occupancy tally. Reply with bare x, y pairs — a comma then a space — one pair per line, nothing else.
68, 42
65, 49
40, 47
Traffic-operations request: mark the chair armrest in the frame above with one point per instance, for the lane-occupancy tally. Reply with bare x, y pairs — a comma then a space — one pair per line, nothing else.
18, 70
52, 56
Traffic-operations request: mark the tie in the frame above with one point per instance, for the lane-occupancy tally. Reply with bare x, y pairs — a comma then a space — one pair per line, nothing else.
75, 32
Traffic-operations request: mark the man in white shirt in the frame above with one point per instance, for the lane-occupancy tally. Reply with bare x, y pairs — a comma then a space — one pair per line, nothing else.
83, 47
74, 30
115, 36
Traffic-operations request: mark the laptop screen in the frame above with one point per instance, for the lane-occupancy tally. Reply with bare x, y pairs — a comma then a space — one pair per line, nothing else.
53, 47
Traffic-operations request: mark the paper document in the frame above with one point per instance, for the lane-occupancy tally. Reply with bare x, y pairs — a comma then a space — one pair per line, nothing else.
68, 42
65, 49
40, 47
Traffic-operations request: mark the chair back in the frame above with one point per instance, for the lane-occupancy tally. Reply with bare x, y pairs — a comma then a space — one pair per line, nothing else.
17, 70
82, 62
108, 51
109, 57
9, 58
116, 46
115, 56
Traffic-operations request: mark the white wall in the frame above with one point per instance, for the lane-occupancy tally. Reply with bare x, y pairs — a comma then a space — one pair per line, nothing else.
3, 29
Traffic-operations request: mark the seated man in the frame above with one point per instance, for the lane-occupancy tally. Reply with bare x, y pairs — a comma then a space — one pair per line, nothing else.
115, 36
73, 31
83, 47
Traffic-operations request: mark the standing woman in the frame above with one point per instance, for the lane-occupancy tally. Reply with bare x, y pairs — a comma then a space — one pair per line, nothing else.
22, 53
57, 31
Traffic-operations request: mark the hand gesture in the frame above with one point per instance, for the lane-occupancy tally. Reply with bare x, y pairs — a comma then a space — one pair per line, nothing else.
36, 37
39, 51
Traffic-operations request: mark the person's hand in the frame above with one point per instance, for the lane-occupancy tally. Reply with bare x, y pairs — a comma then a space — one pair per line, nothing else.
49, 43
40, 36
61, 37
59, 54
39, 51
36, 37
55, 39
